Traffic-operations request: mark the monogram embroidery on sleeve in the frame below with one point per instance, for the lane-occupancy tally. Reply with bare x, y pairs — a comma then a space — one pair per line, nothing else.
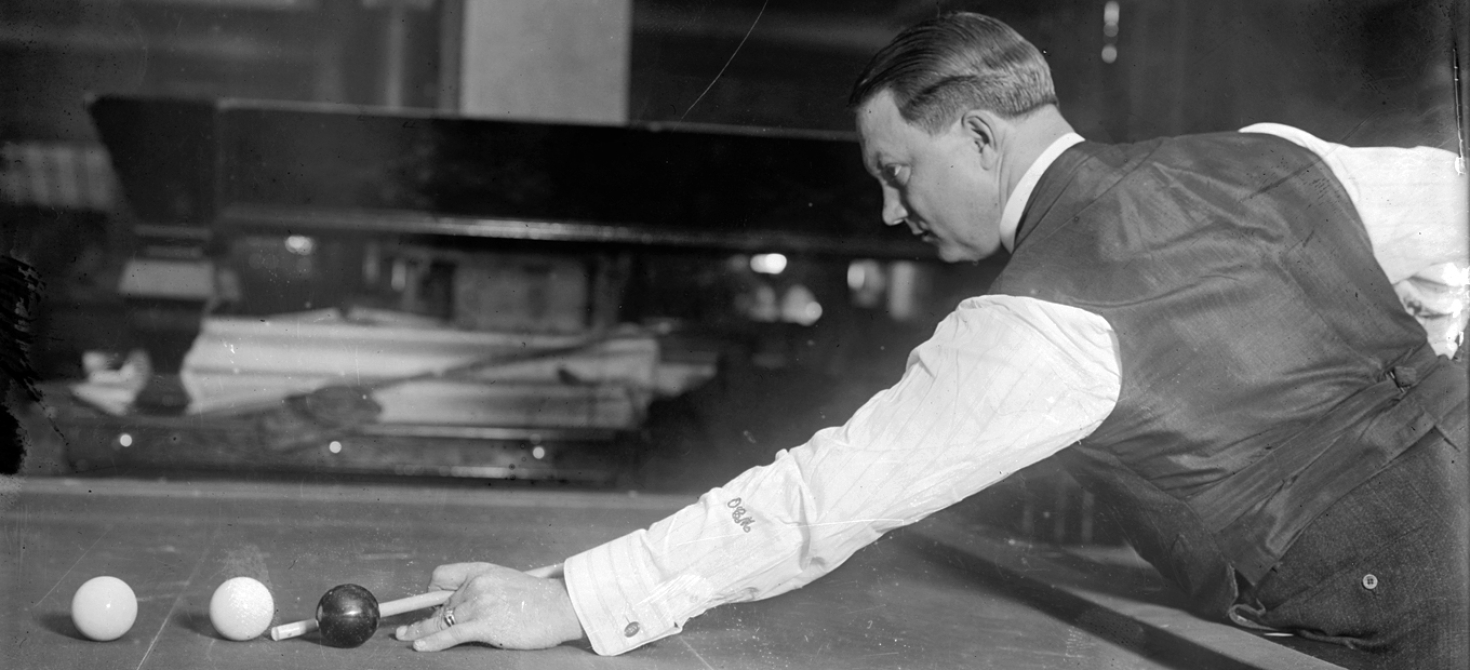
740, 514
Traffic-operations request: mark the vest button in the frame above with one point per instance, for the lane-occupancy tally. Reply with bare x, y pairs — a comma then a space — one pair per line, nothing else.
1370, 581
631, 630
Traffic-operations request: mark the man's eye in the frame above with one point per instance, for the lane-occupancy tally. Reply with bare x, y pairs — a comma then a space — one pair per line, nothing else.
892, 174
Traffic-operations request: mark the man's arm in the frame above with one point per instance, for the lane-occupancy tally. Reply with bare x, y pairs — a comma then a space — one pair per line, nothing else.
1003, 383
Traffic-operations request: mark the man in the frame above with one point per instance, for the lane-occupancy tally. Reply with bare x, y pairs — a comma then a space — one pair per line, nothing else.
1204, 328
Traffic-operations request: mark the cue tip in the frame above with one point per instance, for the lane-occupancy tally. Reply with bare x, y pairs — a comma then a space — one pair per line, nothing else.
287, 631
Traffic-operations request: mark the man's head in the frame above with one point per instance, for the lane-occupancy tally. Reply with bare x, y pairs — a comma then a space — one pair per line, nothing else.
939, 67
946, 113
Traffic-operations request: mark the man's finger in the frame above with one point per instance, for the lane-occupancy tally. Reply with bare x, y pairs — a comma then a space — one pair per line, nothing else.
444, 639
451, 577
421, 628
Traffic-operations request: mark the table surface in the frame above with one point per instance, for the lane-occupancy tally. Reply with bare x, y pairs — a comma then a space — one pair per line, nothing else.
942, 594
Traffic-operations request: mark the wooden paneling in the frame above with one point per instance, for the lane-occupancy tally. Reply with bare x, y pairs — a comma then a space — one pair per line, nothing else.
563, 60
1360, 72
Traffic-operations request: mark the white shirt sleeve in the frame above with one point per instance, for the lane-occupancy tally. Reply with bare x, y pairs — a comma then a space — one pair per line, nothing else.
1003, 383
1413, 203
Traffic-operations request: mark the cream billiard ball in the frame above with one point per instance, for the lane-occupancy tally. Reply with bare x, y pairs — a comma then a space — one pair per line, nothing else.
104, 608
241, 609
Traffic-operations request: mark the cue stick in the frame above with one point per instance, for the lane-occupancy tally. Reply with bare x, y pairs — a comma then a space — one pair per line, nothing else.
302, 420
455, 371
287, 631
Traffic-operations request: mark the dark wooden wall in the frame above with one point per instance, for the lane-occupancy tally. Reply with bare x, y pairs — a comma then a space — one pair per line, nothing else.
1352, 69
1358, 72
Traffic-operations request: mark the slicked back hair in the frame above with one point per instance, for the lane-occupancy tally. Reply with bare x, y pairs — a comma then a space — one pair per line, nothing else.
942, 66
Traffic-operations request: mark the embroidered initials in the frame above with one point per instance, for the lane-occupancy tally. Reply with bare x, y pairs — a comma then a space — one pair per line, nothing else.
740, 514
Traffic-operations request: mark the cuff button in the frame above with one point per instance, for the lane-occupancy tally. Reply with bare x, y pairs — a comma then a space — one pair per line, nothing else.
1370, 581
631, 630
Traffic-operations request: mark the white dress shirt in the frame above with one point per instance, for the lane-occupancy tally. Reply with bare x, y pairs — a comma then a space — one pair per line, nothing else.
1003, 383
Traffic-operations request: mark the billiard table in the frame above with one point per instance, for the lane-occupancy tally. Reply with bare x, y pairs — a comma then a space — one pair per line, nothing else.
945, 593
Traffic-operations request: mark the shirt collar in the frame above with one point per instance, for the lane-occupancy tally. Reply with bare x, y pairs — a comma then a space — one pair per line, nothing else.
1010, 217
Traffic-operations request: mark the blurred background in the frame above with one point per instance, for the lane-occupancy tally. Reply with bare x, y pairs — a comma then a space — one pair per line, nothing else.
228, 206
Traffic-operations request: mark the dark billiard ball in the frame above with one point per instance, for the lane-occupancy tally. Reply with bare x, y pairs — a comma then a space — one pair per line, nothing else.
347, 615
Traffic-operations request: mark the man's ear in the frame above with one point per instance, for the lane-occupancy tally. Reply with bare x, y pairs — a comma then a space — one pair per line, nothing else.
979, 127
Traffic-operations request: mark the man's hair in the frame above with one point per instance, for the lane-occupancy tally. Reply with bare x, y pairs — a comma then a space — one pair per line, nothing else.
942, 66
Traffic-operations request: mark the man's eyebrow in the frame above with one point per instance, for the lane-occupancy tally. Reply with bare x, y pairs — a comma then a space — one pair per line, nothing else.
873, 162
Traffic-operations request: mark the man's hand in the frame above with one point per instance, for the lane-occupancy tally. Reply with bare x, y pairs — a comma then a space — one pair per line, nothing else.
498, 606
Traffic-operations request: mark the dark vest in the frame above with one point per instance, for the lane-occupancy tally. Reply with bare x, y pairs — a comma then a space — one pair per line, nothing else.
1267, 365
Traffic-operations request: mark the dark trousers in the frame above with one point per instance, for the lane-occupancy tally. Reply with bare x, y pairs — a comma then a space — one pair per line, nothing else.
1386, 571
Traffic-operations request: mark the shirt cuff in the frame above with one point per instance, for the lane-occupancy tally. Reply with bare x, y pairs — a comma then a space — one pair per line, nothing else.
615, 596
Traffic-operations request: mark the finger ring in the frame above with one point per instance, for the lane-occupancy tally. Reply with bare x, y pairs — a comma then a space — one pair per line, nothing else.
448, 618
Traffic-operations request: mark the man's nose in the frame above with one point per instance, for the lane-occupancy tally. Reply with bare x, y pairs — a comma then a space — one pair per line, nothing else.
894, 213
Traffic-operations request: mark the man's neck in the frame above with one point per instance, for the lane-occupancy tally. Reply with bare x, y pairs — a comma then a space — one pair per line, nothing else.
1030, 136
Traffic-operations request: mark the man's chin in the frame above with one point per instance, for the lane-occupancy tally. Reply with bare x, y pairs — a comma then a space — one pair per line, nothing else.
950, 254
